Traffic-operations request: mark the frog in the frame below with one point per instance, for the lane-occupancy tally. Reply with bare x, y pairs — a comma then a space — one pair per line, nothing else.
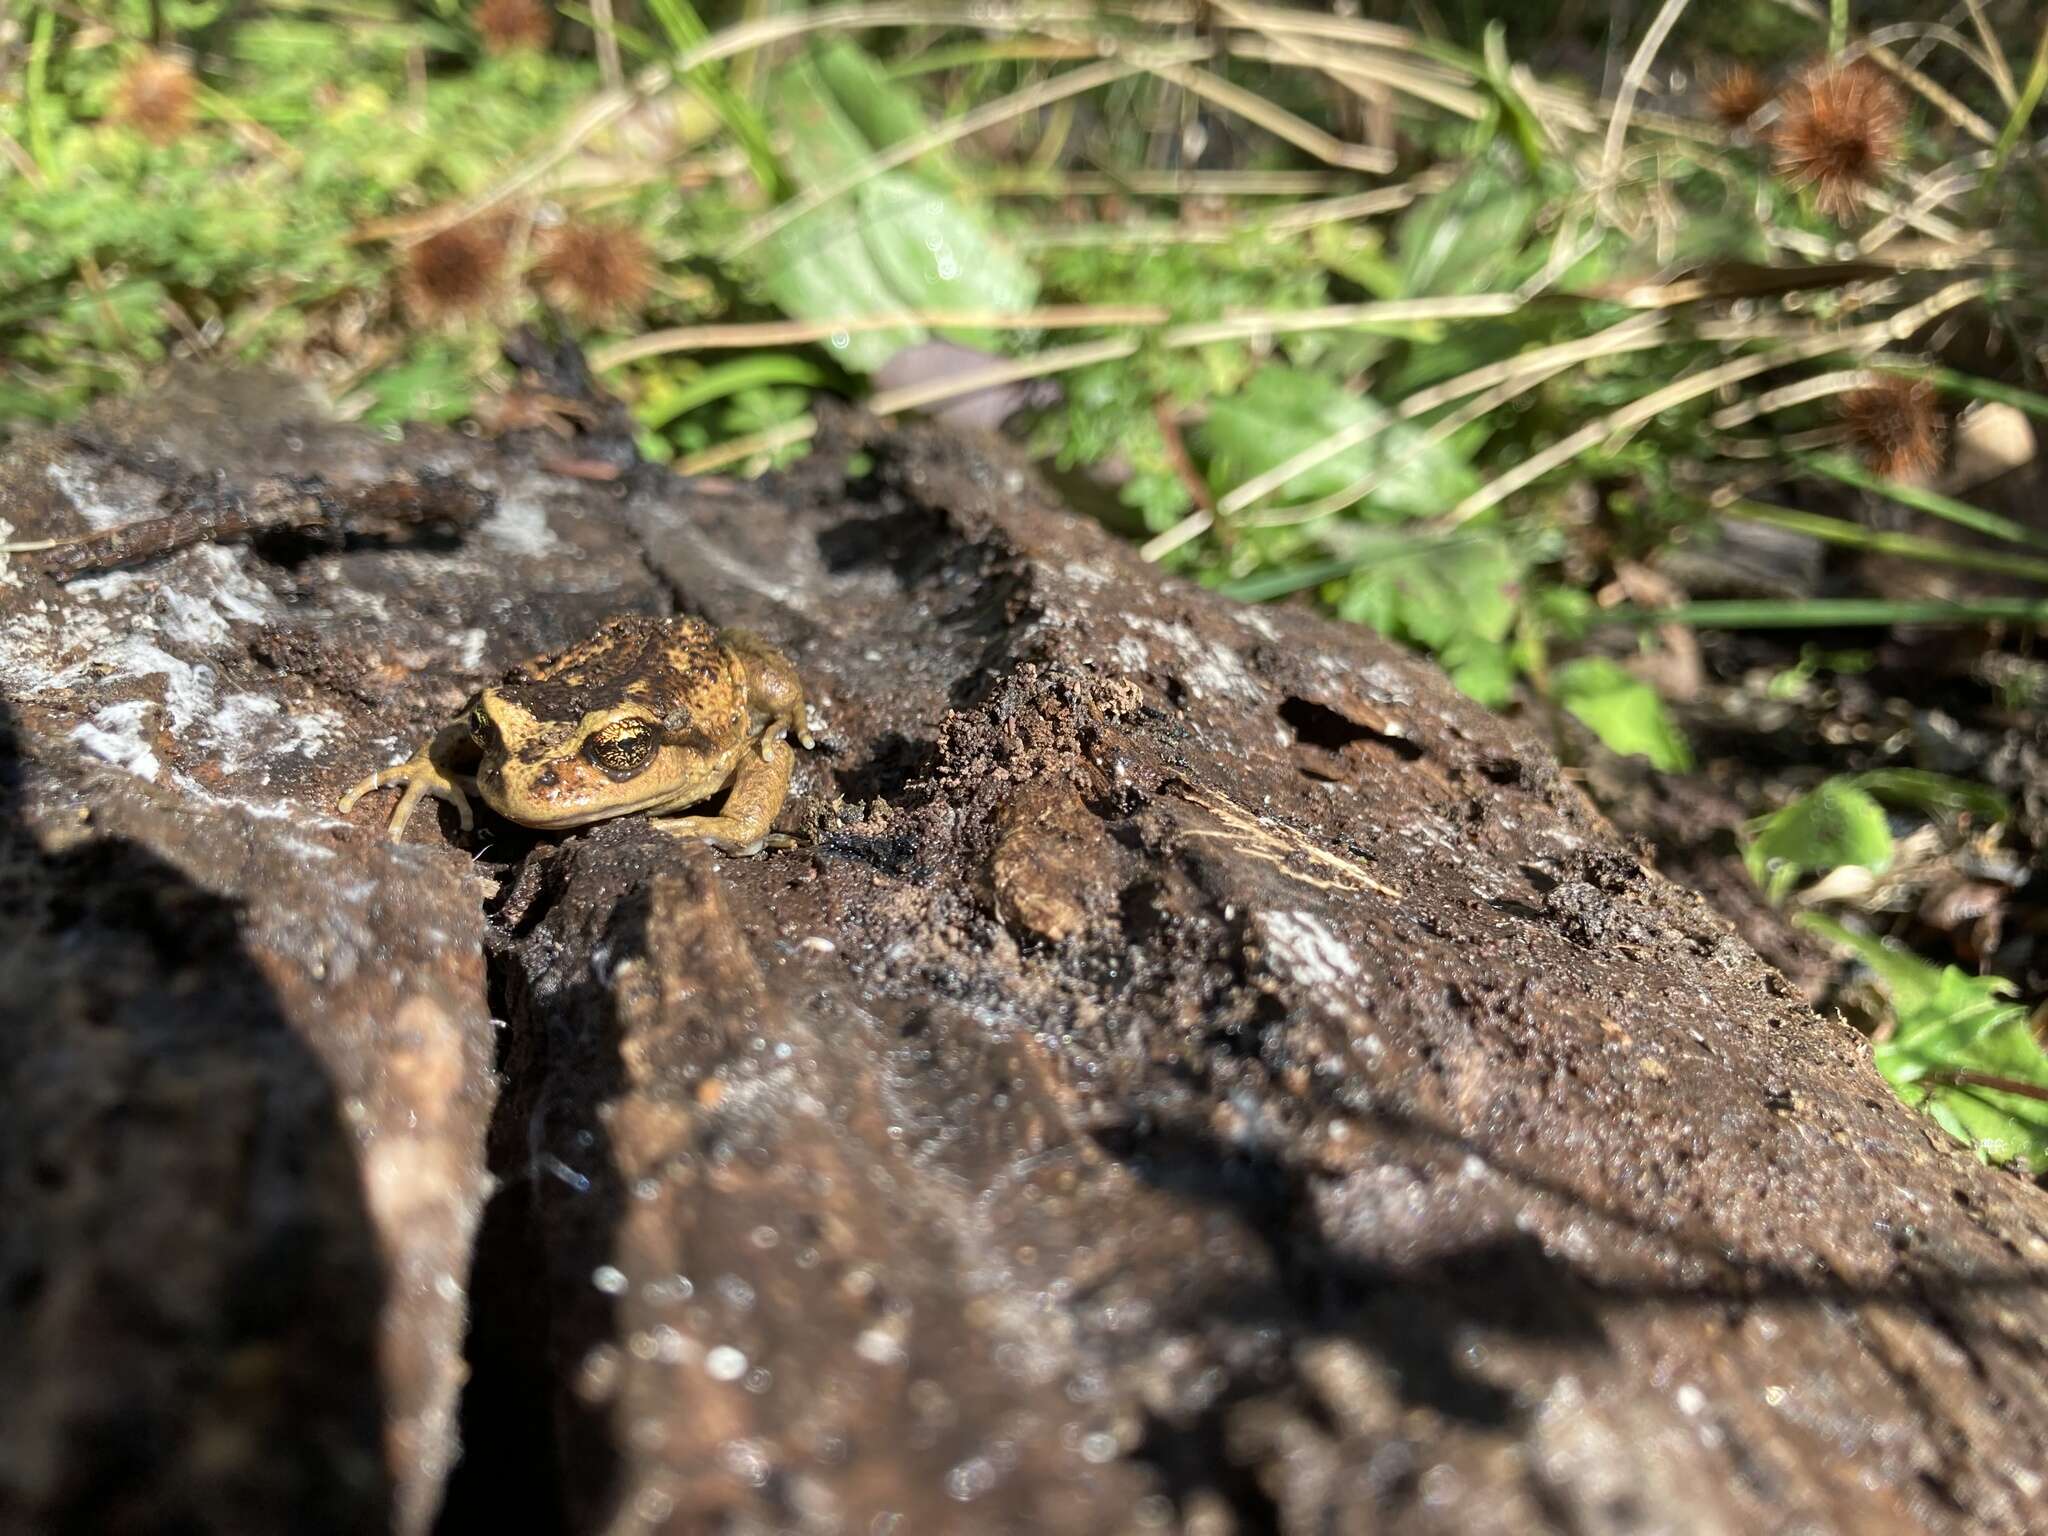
649, 716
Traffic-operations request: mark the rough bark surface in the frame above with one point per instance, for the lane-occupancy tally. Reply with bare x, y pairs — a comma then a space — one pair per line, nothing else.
1197, 1073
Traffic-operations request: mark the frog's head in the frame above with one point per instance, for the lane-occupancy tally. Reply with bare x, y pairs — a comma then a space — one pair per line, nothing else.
602, 763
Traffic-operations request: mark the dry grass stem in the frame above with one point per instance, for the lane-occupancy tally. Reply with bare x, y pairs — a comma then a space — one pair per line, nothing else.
1278, 121
789, 333
1058, 360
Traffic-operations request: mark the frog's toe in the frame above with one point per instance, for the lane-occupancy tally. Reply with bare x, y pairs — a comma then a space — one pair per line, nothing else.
419, 780
418, 786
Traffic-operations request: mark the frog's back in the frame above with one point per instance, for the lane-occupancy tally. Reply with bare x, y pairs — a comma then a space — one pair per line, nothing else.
674, 668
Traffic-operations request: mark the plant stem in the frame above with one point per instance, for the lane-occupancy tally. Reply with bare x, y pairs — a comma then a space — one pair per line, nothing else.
1831, 613
1933, 503
1836, 530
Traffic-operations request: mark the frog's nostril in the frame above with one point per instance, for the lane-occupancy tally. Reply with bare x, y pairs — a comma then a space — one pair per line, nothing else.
548, 778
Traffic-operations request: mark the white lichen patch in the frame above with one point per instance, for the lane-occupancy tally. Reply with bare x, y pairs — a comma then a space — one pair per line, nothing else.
1255, 621
116, 735
1204, 665
134, 654
520, 524
1304, 950
1081, 574
81, 488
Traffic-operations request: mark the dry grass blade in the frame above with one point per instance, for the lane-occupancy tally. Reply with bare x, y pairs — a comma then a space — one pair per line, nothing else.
1631, 84
1803, 392
737, 450
1474, 306
1189, 528
1278, 121
1072, 83
791, 333
1275, 21
1627, 418
2001, 68
1363, 72
1057, 360
1514, 375
1142, 183
1361, 205
1934, 32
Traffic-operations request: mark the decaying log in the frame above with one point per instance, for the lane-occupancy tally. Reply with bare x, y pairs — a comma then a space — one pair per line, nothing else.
1196, 1072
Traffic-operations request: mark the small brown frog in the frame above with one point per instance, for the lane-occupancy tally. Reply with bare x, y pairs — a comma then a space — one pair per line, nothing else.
646, 716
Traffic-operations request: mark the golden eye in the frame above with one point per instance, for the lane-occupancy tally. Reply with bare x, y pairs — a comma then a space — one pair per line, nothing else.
481, 731
621, 750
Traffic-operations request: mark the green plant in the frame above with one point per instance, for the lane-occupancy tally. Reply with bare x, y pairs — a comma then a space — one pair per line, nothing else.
1959, 1048
1841, 823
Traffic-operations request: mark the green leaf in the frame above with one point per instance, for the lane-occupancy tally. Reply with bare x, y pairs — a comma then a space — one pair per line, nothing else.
1284, 411
1483, 669
819, 269
1834, 825
824, 143
884, 111
1622, 710
1936, 793
1456, 598
1948, 1023
669, 399
936, 253
1459, 240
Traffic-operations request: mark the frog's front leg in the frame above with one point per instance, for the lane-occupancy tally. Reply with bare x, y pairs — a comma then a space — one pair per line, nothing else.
774, 691
433, 770
759, 786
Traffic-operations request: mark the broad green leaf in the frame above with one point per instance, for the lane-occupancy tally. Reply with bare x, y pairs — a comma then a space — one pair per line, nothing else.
936, 253
819, 269
884, 111
1483, 669
1831, 826
824, 143
1460, 239
1622, 710
1284, 411
1456, 598
1946, 1023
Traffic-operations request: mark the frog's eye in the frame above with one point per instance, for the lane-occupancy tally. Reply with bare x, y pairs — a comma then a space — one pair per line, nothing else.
621, 750
481, 731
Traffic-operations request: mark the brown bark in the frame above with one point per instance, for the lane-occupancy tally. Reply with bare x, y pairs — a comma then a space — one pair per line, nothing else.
1196, 1073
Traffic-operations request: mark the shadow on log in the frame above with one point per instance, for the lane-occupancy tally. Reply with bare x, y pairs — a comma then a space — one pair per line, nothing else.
1195, 1073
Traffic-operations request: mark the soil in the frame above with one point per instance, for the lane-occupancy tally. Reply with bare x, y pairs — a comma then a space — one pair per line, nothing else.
1197, 1072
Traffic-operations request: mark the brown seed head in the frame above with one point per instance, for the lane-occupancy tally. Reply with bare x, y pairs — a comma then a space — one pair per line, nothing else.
1839, 133
1896, 426
509, 24
453, 271
597, 270
154, 97
1737, 94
